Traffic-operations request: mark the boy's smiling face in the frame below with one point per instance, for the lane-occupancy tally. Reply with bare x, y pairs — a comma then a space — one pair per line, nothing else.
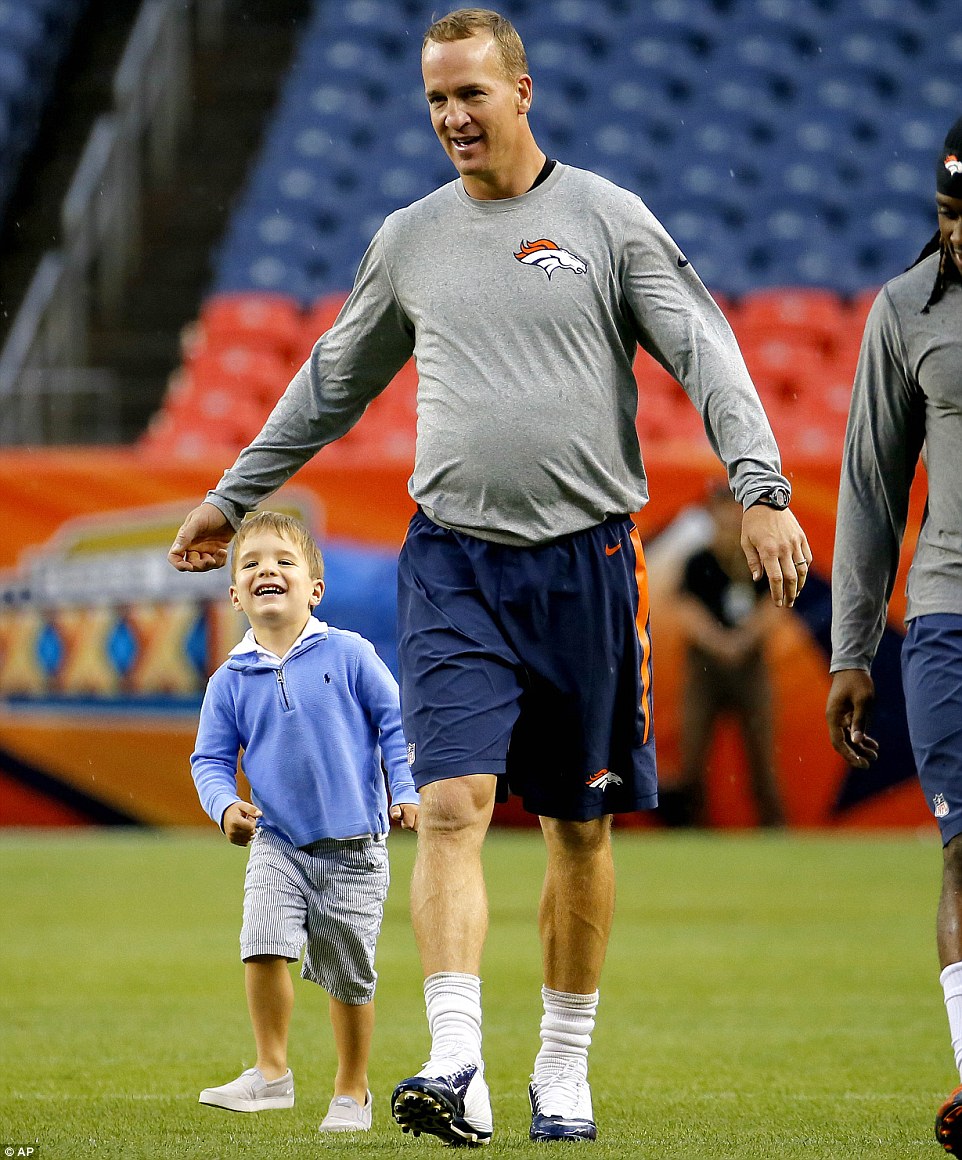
273, 585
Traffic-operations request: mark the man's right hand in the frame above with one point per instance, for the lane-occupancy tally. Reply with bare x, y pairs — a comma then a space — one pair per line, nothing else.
849, 707
201, 544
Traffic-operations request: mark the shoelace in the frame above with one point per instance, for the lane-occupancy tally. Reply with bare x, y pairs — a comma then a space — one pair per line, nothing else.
560, 1094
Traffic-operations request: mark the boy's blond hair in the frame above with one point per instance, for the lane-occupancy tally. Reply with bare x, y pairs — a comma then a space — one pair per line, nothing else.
467, 22
288, 528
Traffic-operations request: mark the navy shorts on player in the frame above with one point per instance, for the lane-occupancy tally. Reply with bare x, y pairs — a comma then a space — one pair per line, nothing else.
932, 679
530, 663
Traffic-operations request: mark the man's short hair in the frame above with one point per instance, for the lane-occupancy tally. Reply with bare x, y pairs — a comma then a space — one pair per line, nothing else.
288, 528
467, 22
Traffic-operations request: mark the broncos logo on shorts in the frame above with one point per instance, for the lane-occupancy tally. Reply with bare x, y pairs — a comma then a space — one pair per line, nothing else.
602, 779
549, 256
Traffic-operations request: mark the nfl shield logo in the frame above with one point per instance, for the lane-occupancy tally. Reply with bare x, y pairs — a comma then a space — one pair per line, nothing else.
941, 806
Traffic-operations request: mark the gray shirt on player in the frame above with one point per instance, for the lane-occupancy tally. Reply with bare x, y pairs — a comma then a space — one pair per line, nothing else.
908, 389
523, 316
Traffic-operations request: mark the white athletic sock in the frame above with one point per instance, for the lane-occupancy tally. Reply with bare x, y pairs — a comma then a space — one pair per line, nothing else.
951, 980
453, 1004
566, 1028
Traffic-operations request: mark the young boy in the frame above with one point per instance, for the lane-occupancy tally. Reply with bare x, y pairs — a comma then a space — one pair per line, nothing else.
314, 710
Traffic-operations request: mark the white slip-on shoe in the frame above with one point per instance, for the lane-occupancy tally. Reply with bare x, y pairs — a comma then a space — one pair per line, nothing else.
347, 1115
250, 1092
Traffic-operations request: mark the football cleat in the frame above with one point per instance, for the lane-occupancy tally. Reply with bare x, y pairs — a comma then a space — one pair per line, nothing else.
561, 1107
455, 1107
948, 1123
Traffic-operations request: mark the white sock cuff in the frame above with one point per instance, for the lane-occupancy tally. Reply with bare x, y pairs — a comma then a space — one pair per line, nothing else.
951, 980
452, 981
567, 1001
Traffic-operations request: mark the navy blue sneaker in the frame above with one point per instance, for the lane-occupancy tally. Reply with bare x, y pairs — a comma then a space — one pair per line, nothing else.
455, 1107
948, 1124
561, 1108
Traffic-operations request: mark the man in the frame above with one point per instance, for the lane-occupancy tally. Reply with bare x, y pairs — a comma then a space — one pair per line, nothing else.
522, 289
726, 619
908, 390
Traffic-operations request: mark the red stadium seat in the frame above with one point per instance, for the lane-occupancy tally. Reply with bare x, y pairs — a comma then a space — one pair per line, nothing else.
260, 375
266, 321
818, 316
319, 319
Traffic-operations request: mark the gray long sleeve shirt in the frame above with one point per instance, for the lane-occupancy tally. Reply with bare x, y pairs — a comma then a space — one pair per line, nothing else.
523, 316
908, 389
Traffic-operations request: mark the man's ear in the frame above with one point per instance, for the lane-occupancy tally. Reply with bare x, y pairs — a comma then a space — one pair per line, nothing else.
524, 94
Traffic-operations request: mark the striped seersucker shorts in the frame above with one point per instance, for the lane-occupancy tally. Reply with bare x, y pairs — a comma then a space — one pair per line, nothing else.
326, 899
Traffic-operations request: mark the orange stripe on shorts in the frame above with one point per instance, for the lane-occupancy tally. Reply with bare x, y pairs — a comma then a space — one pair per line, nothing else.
642, 618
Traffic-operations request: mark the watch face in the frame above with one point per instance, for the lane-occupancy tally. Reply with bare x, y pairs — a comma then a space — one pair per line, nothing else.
778, 498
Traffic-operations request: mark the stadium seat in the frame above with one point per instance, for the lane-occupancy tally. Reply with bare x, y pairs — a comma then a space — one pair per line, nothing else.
785, 116
255, 374
320, 318
817, 317
269, 322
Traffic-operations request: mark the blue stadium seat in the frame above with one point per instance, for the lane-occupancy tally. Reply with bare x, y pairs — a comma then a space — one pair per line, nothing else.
806, 127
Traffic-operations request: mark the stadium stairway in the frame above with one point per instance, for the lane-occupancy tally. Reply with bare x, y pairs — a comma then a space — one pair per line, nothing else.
80, 92
234, 83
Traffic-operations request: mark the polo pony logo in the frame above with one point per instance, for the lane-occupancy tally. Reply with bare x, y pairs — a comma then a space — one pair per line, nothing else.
953, 165
549, 256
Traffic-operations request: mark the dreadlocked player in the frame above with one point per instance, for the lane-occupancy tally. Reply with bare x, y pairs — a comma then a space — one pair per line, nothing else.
908, 392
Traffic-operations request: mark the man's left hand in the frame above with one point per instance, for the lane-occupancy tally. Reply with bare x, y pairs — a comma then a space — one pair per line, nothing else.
775, 546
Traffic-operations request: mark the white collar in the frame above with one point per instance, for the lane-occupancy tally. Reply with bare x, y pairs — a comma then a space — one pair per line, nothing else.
314, 627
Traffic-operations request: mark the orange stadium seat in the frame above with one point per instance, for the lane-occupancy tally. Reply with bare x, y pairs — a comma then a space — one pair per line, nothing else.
259, 374
318, 319
229, 415
780, 364
819, 317
268, 321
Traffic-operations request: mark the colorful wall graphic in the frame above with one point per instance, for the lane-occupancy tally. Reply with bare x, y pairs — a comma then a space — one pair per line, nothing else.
105, 649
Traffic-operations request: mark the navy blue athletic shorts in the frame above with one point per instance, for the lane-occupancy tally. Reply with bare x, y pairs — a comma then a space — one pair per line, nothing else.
533, 664
932, 679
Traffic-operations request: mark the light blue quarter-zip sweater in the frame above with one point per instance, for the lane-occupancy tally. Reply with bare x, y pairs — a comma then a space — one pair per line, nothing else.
313, 728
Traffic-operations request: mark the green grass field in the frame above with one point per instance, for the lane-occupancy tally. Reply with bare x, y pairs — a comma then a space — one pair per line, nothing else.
764, 997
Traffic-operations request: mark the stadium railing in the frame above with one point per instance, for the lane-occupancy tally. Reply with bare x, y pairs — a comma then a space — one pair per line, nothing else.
101, 226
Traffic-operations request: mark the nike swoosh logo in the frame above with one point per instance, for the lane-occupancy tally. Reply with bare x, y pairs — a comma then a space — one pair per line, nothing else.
682, 261
610, 551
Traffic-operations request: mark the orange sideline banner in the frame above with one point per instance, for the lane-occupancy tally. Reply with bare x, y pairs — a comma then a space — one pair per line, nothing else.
105, 649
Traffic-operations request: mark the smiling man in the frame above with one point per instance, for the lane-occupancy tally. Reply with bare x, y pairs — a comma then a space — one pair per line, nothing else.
523, 289
908, 392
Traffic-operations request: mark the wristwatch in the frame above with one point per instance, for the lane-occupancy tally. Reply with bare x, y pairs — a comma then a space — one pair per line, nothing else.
777, 498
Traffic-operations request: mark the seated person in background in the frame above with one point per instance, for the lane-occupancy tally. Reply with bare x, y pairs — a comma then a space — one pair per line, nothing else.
726, 620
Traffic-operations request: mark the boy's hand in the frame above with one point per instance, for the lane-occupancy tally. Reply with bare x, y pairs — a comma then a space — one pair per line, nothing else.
239, 822
406, 814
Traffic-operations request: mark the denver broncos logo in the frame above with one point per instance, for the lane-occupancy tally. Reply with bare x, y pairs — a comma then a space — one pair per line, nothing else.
951, 163
602, 779
550, 257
